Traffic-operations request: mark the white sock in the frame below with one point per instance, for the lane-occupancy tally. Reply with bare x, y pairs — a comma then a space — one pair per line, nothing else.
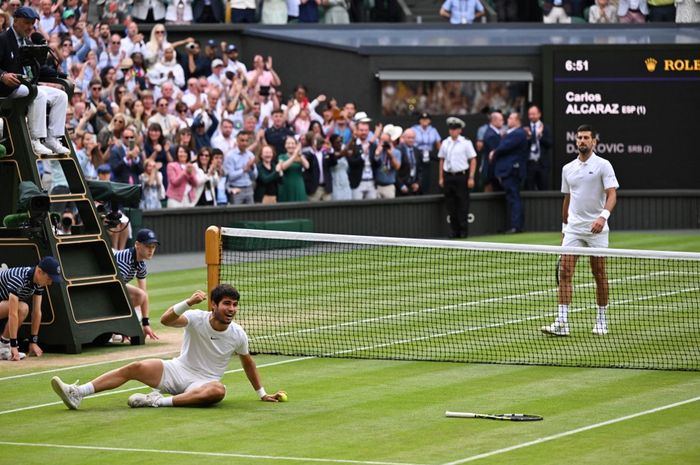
601, 313
563, 313
86, 389
165, 401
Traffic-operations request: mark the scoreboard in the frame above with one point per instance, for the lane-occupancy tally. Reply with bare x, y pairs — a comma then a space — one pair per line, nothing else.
643, 102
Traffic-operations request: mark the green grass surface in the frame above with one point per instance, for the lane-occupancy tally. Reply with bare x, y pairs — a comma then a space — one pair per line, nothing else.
365, 411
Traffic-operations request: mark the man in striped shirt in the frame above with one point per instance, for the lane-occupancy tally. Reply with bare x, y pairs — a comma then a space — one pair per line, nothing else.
17, 285
130, 263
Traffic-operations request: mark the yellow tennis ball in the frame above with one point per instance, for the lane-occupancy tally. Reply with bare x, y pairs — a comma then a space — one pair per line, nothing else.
282, 397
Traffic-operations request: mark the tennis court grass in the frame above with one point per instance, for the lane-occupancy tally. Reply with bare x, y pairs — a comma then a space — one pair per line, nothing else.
365, 411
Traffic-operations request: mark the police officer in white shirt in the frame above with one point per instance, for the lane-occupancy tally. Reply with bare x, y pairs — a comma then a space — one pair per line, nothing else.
194, 377
590, 194
457, 168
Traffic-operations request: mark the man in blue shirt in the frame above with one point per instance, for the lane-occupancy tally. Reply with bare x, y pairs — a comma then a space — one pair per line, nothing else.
427, 141
17, 285
387, 161
240, 169
462, 11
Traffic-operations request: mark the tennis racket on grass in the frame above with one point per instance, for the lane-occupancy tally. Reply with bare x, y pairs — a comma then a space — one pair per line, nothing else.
497, 416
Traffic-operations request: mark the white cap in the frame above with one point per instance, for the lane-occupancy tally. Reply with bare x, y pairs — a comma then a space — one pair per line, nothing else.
216, 62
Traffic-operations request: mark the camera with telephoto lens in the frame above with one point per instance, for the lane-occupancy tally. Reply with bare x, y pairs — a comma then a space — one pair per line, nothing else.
111, 218
191, 46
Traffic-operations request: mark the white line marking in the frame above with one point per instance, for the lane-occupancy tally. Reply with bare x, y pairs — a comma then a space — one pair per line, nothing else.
120, 391
571, 432
203, 454
85, 365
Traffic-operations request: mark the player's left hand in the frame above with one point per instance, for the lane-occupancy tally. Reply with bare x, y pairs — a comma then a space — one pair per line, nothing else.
598, 225
149, 332
34, 349
269, 398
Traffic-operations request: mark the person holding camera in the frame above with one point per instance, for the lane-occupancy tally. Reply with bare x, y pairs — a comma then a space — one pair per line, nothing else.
125, 159
387, 161
12, 68
17, 286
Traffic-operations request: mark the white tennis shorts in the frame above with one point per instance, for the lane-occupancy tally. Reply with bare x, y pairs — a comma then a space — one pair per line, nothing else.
177, 379
599, 240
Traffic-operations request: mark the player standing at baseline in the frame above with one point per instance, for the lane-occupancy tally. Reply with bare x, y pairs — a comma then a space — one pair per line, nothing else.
590, 187
193, 378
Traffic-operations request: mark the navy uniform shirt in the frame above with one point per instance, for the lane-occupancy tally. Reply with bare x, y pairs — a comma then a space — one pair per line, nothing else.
128, 266
19, 281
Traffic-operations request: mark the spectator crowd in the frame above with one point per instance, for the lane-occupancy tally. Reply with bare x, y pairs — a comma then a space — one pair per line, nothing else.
195, 126
571, 11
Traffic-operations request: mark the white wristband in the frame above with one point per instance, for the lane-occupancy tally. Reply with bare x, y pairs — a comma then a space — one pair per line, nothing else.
605, 214
261, 392
563, 227
181, 307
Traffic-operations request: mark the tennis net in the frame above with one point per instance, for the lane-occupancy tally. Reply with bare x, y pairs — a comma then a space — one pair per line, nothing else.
325, 295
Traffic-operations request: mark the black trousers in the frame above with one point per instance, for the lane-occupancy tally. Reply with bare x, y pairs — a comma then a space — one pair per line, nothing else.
537, 177
457, 202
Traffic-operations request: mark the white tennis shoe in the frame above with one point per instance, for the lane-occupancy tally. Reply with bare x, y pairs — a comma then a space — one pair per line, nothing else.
145, 400
6, 352
56, 146
40, 149
600, 328
68, 393
557, 329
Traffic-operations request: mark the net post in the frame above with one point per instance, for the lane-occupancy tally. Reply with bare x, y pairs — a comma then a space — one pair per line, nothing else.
212, 256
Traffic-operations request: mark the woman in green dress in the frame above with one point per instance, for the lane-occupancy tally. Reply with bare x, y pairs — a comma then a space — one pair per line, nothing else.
290, 166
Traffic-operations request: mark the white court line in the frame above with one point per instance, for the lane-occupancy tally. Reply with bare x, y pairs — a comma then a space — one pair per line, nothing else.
120, 391
570, 432
203, 454
86, 365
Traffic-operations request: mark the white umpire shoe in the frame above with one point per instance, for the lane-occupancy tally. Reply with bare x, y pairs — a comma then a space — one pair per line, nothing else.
67, 392
40, 149
56, 146
6, 352
145, 400
600, 328
557, 329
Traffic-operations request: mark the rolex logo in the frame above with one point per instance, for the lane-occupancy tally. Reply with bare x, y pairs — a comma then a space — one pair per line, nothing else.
650, 64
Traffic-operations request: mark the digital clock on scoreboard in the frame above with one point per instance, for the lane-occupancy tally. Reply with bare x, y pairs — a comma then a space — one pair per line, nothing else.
643, 102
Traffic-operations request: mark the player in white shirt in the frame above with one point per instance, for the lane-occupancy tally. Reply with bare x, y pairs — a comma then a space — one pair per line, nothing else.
193, 378
590, 187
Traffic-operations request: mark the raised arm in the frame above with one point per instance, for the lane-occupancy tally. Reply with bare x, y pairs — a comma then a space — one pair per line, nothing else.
173, 316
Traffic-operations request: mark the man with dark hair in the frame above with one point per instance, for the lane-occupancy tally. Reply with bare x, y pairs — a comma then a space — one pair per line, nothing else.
509, 160
194, 377
17, 285
590, 187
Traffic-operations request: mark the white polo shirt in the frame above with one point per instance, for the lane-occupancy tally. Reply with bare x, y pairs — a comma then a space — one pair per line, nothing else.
456, 154
586, 183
